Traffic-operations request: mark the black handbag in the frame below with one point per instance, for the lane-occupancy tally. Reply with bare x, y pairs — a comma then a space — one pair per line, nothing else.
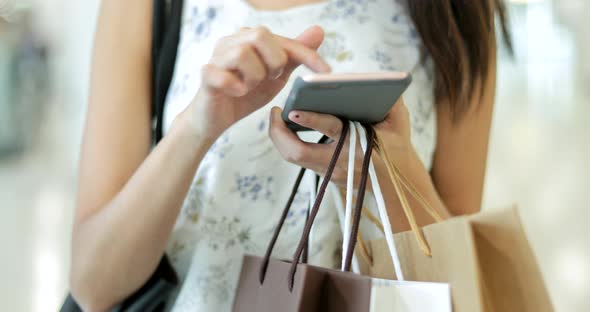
166, 25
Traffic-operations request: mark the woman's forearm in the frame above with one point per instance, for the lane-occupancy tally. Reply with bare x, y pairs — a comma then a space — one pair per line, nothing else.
116, 250
415, 172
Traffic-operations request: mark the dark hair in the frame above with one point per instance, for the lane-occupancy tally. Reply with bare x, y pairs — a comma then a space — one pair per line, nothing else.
458, 35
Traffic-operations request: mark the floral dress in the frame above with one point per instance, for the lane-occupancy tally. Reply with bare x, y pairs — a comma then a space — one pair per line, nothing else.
240, 187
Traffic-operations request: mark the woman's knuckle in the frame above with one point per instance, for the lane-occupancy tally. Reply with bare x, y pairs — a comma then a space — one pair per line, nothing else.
334, 130
296, 154
289, 157
282, 58
205, 69
242, 52
261, 33
280, 61
274, 134
314, 57
225, 81
259, 75
221, 42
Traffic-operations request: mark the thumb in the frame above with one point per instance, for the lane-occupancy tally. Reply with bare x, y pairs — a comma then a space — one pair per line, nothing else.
397, 120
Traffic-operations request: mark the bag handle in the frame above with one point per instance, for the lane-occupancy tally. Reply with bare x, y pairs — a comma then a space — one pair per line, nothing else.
408, 186
366, 168
364, 251
349, 192
365, 144
400, 182
314, 210
396, 175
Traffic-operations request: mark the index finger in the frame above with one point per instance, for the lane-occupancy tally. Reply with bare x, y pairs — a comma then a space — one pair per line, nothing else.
300, 54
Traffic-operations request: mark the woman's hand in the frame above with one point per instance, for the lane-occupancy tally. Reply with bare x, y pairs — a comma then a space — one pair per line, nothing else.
394, 130
246, 71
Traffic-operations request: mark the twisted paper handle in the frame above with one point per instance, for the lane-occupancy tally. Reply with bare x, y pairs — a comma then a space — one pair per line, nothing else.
401, 185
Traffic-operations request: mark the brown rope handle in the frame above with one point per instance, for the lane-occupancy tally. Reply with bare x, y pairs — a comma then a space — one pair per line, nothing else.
286, 209
314, 211
354, 230
358, 206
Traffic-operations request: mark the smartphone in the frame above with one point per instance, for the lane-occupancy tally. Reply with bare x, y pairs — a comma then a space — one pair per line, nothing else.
363, 97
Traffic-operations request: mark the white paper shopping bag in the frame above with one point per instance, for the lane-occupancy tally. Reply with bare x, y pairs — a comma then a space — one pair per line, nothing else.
391, 295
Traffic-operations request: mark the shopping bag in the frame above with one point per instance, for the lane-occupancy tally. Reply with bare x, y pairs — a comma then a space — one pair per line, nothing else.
396, 295
486, 258
268, 284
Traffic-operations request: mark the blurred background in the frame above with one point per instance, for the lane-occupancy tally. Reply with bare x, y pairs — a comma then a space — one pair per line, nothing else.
539, 153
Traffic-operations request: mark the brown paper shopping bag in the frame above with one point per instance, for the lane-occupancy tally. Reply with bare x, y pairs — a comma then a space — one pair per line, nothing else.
486, 258
267, 284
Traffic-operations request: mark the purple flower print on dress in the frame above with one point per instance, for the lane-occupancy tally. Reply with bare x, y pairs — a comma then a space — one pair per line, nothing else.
383, 58
221, 147
200, 21
254, 187
340, 9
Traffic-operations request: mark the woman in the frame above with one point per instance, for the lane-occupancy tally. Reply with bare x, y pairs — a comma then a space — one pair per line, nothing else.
219, 121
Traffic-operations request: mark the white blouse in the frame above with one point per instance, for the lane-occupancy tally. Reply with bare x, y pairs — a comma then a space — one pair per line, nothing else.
242, 184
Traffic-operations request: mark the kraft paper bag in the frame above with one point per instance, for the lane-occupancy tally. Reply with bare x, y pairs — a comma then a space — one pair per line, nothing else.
486, 258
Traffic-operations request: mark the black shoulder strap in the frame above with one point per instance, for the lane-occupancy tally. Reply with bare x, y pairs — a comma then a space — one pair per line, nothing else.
166, 26
167, 20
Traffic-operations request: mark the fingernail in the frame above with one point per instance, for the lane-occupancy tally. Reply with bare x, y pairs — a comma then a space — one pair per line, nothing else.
325, 67
294, 115
276, 112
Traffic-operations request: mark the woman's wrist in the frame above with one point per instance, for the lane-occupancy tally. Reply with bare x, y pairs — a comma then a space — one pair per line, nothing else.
189, 129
